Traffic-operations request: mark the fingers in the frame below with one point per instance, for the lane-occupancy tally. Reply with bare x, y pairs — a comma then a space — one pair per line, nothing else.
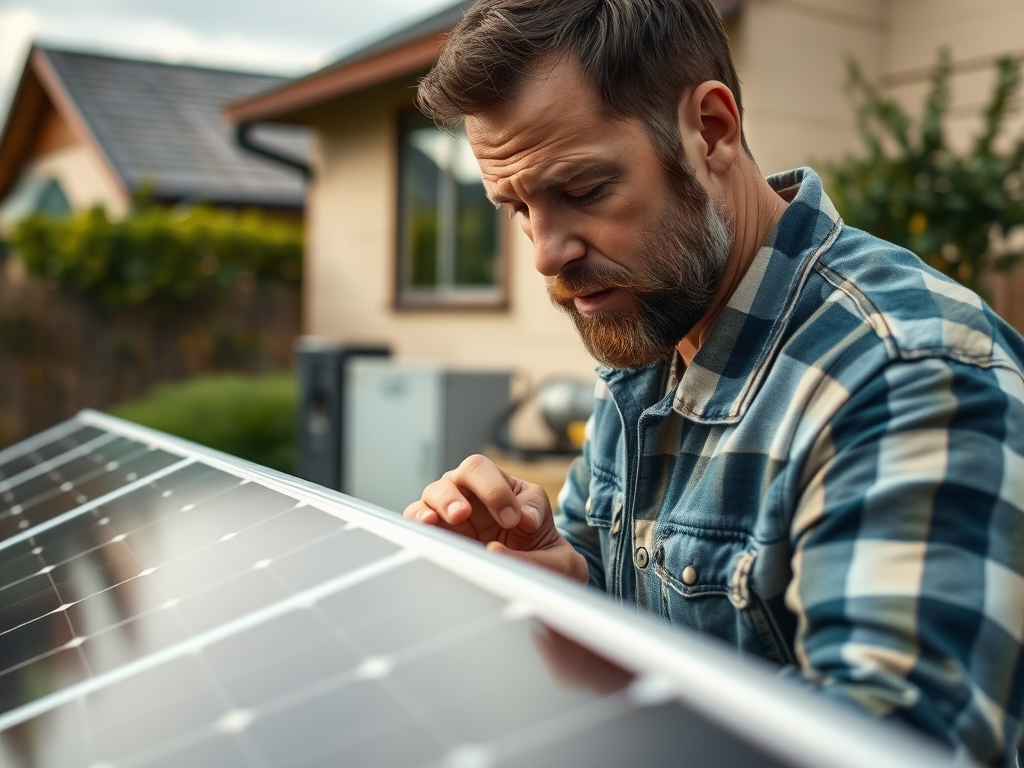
533, 500
480, 490
475, 479
420, 512
560, 558
447, 500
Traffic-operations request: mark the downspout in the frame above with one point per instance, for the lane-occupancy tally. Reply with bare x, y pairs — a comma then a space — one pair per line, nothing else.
246, 142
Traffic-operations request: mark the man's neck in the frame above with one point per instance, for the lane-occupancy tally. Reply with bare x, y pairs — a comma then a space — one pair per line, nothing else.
757, 209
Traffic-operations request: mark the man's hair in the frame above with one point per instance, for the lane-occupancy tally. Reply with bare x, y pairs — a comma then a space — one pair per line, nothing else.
642, 55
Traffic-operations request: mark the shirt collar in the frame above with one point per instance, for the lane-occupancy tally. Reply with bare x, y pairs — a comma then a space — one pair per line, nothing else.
724, 376
728, 368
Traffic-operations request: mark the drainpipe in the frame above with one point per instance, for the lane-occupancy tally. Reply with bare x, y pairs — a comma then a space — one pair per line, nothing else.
245, 140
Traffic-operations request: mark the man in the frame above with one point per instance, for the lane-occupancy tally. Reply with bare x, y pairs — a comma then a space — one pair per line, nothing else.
805, 442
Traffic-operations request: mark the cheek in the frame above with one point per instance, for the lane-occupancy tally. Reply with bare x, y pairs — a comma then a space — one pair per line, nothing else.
617, 241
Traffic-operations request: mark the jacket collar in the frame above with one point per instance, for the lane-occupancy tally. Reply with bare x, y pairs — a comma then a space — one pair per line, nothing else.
720, 384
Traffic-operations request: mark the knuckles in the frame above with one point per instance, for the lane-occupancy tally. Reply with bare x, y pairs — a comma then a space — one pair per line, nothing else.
475, 463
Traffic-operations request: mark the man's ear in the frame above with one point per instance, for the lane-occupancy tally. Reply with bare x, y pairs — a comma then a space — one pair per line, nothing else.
709, 124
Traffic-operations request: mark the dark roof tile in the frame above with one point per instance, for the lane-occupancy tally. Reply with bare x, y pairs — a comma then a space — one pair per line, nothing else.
161, 124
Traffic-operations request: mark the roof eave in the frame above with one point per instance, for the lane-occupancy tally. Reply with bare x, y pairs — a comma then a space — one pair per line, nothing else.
17, 133
39, 76
286, 102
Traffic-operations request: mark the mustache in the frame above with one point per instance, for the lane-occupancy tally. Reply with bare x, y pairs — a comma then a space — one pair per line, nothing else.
574, 280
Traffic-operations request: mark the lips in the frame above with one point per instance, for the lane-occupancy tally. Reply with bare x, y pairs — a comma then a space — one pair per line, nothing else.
591, 301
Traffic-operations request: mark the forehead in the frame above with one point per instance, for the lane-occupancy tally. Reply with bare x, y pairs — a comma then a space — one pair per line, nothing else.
555, 117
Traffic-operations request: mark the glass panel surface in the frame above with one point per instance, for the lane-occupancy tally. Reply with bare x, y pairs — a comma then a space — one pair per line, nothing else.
21, 462
105, 469
186, 553
360, 678
203, 619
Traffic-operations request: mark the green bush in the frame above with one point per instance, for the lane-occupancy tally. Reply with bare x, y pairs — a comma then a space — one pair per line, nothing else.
159, 255
252, 418
956, 210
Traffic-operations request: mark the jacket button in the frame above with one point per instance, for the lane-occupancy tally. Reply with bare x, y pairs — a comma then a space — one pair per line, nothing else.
641, 558
587, 505
689, 575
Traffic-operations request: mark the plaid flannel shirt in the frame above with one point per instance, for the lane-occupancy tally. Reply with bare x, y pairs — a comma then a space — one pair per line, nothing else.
836, 482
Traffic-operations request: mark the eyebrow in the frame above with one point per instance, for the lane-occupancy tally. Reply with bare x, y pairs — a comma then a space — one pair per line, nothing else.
571, 173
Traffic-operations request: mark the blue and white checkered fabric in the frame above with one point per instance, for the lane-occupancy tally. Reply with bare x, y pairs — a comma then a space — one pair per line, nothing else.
836, 483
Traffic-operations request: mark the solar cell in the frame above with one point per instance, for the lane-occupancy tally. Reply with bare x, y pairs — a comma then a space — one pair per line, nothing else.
32, 453
196, 610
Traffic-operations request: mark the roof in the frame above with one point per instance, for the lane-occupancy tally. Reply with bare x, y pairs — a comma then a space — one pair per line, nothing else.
158, 125
408, 50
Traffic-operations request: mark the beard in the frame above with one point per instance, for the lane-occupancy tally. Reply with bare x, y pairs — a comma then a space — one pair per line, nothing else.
680, 268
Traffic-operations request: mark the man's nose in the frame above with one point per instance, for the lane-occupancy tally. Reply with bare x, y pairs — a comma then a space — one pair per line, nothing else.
554, 246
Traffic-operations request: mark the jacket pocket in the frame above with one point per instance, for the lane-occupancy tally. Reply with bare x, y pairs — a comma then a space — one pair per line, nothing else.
701, 572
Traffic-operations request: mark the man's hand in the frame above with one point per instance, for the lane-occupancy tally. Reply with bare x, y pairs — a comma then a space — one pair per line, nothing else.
508, 515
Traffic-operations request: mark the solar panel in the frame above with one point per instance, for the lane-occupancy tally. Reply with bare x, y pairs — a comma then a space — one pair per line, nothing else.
163, 604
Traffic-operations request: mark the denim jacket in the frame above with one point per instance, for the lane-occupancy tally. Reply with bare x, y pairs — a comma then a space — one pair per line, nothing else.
836, 482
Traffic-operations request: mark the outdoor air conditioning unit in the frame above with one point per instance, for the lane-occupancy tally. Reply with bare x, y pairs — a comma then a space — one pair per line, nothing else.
405, 424
322, 371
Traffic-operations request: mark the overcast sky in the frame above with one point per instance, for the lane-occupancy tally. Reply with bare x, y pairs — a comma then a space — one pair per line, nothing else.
280, 36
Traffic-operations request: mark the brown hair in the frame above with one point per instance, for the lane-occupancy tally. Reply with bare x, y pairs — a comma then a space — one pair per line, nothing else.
642, 55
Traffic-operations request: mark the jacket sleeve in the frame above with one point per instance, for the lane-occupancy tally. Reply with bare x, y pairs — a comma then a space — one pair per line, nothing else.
571, 513
908, 566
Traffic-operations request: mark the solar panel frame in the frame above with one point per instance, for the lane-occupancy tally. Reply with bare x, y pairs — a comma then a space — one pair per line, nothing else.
746, 699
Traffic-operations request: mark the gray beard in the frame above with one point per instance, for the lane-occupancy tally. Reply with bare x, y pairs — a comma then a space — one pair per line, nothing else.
680, 269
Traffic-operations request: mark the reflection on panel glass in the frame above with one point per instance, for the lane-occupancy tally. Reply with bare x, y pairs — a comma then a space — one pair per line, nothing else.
174, 558
22, 462
449, 230
412, 668
193, 617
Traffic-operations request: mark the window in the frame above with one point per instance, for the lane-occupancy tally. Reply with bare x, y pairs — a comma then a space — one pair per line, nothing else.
449, 250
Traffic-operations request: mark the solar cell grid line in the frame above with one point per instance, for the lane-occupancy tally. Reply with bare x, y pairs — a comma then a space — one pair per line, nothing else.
41, 486
187, 583
49, 435
102, 471
22, 456
27, 527
404, 647
56, 461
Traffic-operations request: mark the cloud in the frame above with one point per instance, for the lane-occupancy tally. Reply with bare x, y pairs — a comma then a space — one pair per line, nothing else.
262, 36
17, 28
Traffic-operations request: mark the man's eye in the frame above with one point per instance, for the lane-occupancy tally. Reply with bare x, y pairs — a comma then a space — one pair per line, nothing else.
588, 197
518, 210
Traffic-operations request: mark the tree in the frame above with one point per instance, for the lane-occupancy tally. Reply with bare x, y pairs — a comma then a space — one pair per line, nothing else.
955, 211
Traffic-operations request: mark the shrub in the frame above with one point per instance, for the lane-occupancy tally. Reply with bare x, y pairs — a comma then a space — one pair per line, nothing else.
954, 210
252, 418
159, 255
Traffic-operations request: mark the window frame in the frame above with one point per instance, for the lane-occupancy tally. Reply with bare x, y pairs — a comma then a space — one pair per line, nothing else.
444, 298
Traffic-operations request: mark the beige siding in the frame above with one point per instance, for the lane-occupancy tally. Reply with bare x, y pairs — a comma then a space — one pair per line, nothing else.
84, 177
792, 72
350, 286
790, 54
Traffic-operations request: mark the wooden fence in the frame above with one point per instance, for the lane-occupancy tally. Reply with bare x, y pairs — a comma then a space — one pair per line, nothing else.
59, 354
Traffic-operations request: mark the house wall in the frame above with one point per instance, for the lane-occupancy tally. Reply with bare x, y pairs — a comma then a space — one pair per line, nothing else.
60, 153
351, 257
84, 177
790, 56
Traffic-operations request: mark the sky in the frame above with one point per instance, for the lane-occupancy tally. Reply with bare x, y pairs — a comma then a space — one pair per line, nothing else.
288, 37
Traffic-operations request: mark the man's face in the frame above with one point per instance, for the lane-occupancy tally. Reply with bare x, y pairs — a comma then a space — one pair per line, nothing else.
632, 254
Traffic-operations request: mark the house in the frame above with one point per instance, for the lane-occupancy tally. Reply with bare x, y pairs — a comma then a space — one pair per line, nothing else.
85, 129
403, 249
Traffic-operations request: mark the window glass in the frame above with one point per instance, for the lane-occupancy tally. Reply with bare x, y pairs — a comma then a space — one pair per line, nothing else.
449, 234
